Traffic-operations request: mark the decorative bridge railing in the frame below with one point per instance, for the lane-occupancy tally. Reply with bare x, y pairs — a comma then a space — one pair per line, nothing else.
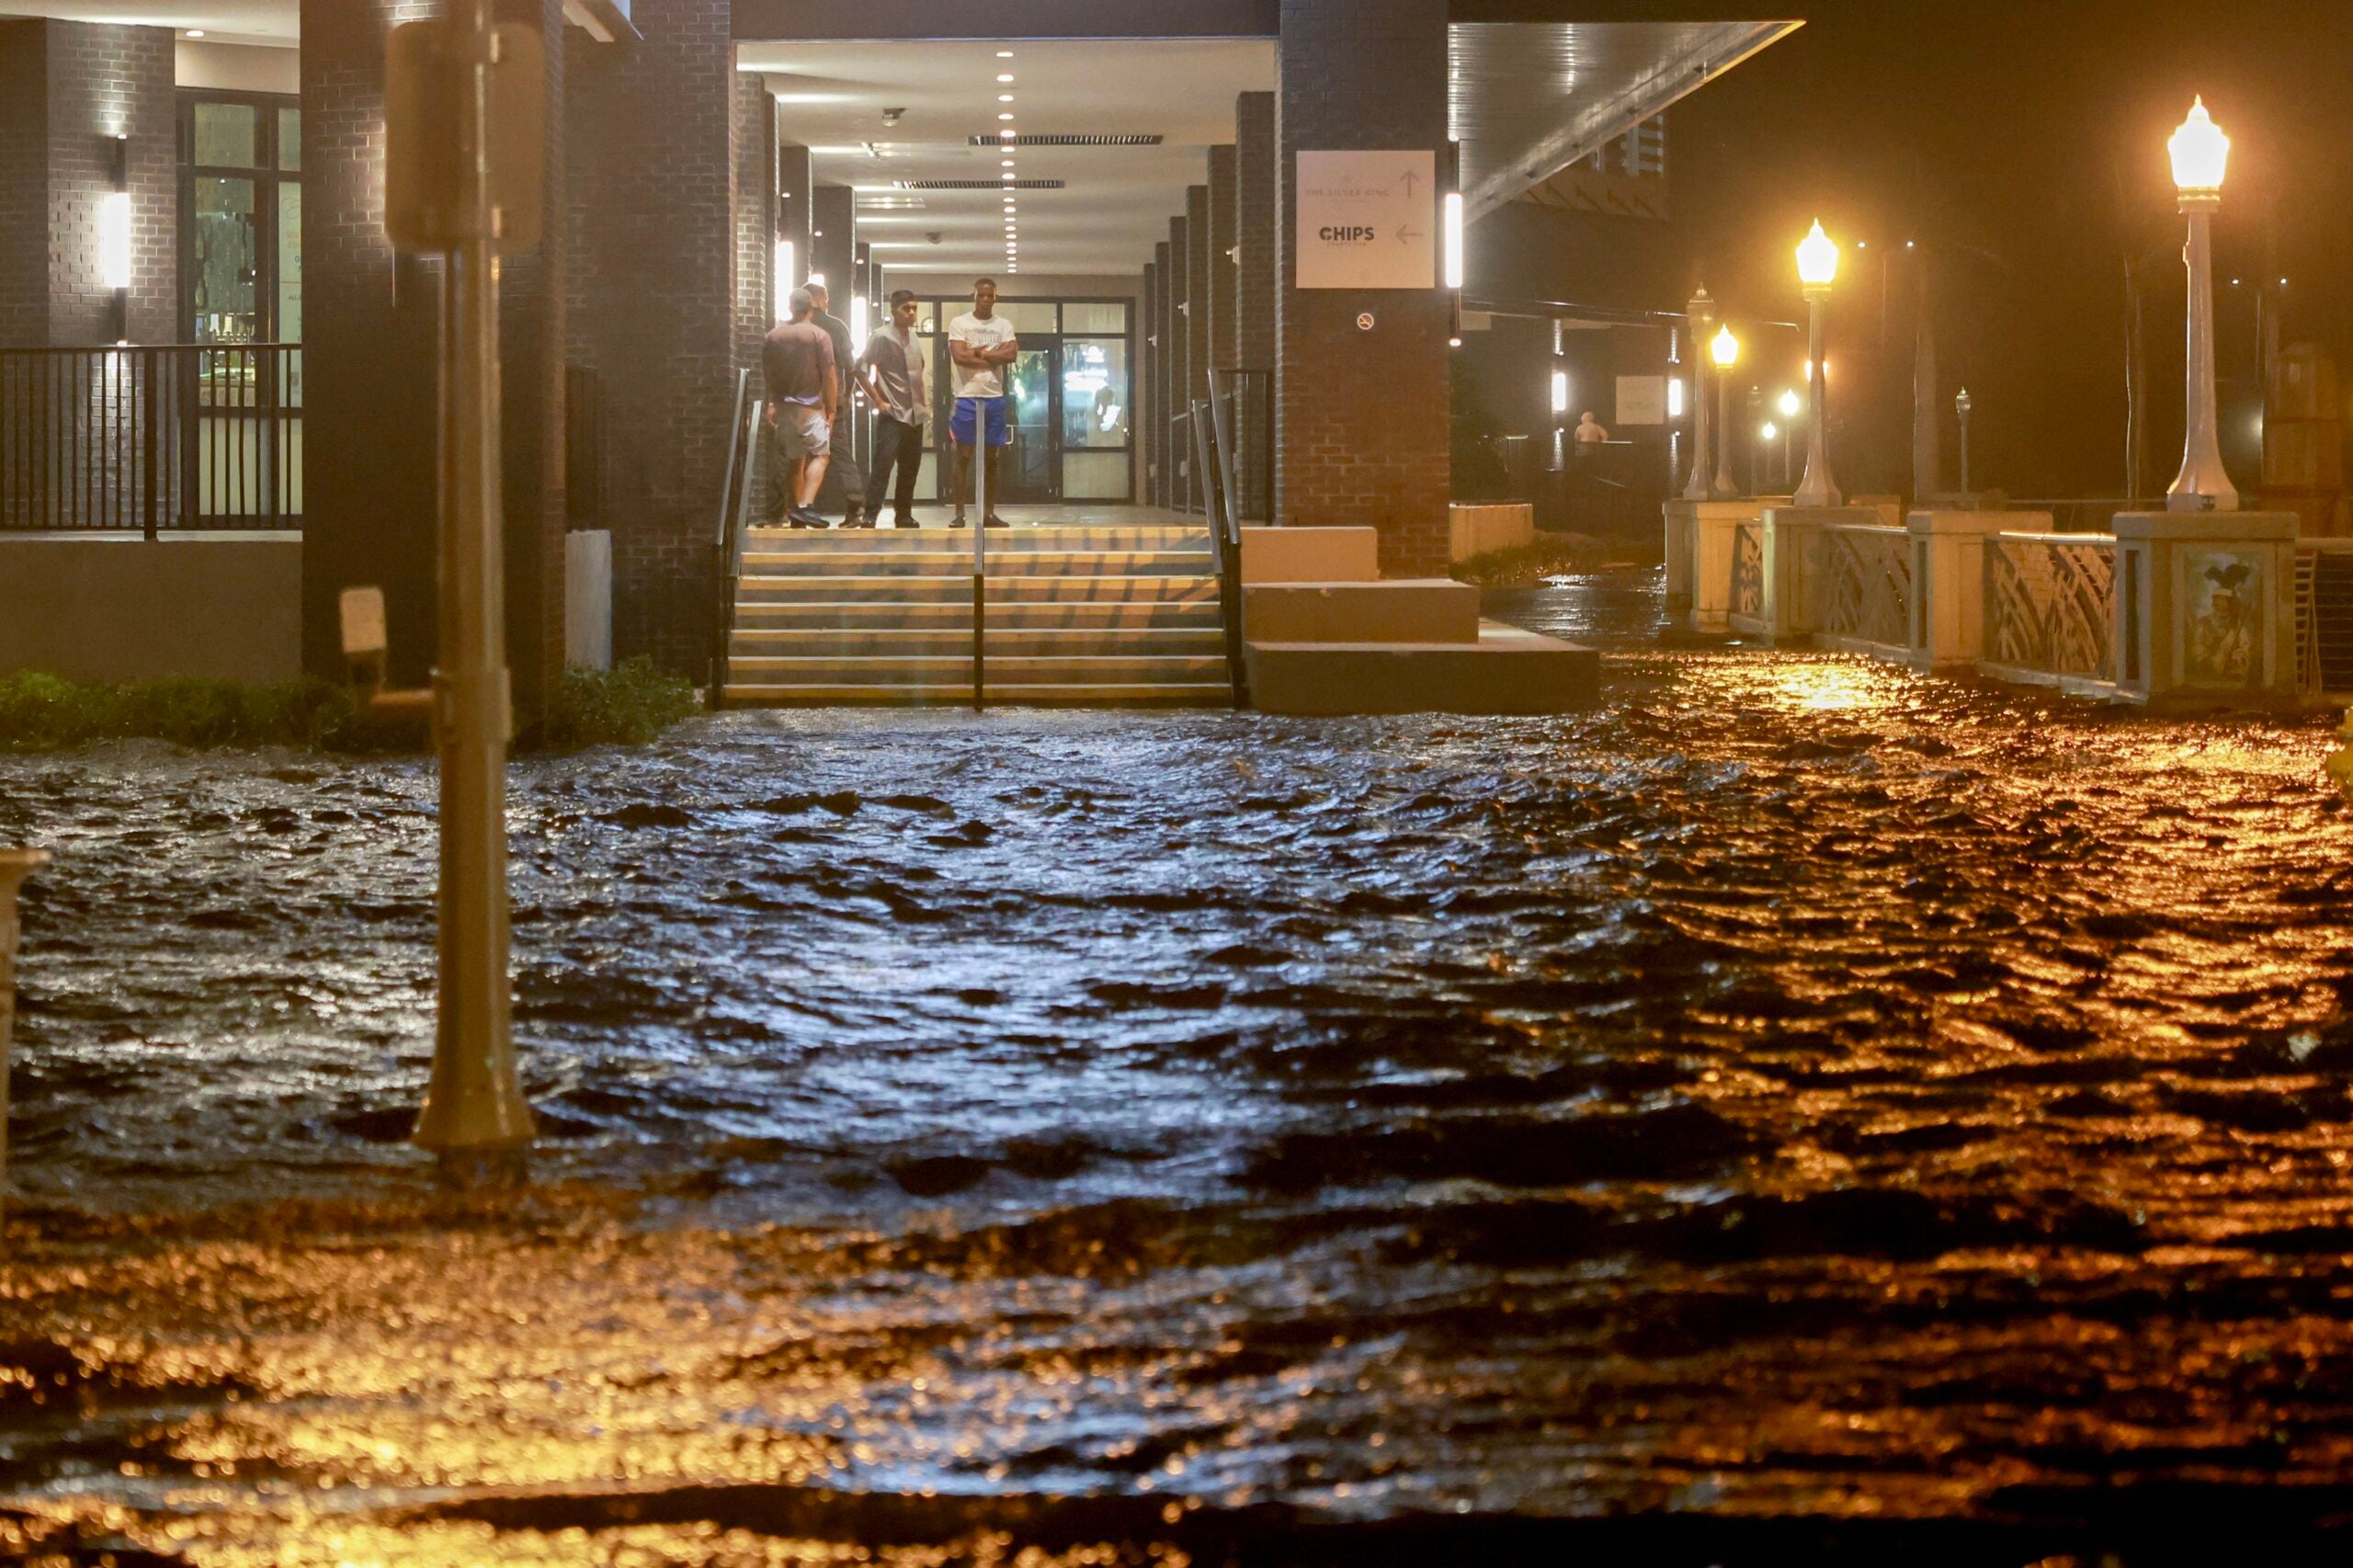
152, 438
1868, 590
2051, 607
2325, 617
1748, 570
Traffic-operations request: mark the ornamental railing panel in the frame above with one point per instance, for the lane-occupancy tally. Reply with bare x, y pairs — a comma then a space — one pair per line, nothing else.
1748, 568
1868, 592
2050, 605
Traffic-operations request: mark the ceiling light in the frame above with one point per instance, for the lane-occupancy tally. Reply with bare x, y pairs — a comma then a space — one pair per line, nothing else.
1008, 76
1004, 97
196, 32
1005, 116
1007, 135
1005, 54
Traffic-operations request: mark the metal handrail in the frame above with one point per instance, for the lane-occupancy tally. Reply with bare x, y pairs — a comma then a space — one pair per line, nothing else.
735, 511
1213, 446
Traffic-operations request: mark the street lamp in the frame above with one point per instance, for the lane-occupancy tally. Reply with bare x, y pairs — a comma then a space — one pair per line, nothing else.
1817, 270
2201, 156
1962, 406
1725, 350
1701, 313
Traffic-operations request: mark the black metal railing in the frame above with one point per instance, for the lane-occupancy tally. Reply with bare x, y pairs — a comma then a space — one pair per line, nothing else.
1226, 461
150, 438
734, 516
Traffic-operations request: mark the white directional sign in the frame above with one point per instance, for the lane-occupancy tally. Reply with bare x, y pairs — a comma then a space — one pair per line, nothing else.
1368, 221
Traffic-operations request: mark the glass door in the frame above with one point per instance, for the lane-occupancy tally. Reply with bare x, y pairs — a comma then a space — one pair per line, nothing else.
1031, 473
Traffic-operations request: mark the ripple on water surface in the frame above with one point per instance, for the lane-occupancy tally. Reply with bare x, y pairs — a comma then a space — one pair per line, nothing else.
1797, 1086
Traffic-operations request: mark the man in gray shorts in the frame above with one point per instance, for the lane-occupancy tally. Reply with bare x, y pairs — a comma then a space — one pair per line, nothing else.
805, 392
842, 471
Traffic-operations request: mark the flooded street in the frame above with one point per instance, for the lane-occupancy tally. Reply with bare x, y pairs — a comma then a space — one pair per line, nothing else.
1813, 1107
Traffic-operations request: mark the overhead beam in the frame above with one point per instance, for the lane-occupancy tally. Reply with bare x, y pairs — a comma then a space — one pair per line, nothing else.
606, 21
1595, 125
1003, 20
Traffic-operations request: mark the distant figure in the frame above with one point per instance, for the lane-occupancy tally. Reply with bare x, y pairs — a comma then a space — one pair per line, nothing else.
1590, 429
843, 472
981, 345
805, 392
893, 366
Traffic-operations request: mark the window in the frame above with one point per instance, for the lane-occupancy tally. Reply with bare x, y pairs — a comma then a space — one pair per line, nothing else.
241, 218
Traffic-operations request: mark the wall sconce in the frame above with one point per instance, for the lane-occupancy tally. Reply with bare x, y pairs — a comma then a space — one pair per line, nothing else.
1450, 229
114, 239
1560, 394
784, 283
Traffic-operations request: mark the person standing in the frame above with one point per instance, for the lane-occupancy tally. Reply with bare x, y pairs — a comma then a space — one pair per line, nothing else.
804, 392
892, 370
982, 344
844, 469
1590, 430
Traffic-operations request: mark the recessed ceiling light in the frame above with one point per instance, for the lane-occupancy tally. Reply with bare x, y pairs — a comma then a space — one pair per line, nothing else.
1005, 54
196, 32
1006, 76
1007, 135
1004, 97
1004, 117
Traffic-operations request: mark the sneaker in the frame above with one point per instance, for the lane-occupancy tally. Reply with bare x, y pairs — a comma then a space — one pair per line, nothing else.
802, 517
907, 520
996, 522
958, 521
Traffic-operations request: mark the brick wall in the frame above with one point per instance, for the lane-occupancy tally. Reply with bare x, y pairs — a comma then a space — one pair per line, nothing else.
1257, 265
1225, 334
370, 324
655, 218
1200, 267
1147, 393
532, 306
755, 218
1363, 432
67, 89
1164, 370
1177, 380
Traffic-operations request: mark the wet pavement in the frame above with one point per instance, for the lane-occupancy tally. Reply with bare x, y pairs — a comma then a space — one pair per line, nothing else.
1798, 1108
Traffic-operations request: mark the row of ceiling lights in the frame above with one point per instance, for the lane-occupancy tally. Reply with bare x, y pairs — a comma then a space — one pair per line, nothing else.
1004, 118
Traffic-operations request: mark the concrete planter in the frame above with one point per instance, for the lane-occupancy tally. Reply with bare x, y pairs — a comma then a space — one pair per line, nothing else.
2206, 609
15, 865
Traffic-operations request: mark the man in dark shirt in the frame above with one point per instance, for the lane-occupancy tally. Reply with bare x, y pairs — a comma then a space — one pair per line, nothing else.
843, 474
804, 390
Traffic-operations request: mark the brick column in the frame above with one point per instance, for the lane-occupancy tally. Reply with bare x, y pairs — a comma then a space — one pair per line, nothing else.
1147, 395
1363, 416
1258, 267
67, 90
1202, 266
1179, 339
1164, 313
657, 214
371, 394
756, 221
796, 213
834, 242
1225, 332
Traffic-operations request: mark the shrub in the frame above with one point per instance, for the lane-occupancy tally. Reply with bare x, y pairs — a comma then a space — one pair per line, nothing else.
630, 704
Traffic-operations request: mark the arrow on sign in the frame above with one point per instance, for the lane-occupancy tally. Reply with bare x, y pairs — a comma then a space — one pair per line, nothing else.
1407, 234
1410, 179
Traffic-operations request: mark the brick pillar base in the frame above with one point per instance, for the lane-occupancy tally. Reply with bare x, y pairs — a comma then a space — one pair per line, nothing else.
1363, 438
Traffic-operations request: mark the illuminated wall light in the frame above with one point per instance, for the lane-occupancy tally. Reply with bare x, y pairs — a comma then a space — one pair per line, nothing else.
858, 319
1674, 397
1454, 268
1560, 394
114, 239
784, 261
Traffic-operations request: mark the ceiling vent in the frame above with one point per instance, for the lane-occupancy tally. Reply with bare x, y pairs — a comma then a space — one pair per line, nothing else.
890, 201
980, 185
1089, 139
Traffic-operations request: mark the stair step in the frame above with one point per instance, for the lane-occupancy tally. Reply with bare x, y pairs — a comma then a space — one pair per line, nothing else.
1011, 642
1158, 588
1082, 669
954, 614
1013, 540
1204, 694
945, 562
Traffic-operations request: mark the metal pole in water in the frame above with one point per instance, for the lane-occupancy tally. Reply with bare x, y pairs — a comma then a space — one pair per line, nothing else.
15, 865
474, 1117
979, 552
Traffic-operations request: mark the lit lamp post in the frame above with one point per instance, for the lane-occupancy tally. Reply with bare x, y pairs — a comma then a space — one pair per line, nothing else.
1701, 313
1725, 351
1962, 406
2202, 154
1817, 270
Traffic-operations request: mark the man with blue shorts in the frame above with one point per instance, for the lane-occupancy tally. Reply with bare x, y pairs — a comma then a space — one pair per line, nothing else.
981, 345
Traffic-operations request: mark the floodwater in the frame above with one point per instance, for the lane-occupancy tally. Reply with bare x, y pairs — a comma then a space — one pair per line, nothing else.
1800, 1108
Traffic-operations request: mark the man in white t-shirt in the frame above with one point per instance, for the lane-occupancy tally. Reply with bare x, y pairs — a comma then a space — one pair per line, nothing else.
981, 345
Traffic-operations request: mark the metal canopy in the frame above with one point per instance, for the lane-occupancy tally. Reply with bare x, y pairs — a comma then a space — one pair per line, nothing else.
1527, 99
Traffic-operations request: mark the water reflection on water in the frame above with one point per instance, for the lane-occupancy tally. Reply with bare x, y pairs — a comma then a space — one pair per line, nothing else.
1797, 1089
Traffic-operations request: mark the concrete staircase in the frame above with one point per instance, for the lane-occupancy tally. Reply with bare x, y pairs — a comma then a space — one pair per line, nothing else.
1077, 616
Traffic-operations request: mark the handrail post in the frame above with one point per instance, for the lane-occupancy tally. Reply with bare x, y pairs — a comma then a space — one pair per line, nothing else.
149, 447
980, 548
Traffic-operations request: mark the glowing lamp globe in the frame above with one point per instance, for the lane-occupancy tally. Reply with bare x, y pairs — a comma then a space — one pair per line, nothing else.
1817, 259
1791, 405
2201, 154
1726, 348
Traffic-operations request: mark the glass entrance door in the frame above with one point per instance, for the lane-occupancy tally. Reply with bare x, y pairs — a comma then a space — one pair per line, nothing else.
1032, 475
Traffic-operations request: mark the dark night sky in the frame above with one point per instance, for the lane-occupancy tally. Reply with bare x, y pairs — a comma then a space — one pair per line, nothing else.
1996, 134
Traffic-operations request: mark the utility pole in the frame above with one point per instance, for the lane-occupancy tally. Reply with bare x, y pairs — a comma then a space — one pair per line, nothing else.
465, 137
